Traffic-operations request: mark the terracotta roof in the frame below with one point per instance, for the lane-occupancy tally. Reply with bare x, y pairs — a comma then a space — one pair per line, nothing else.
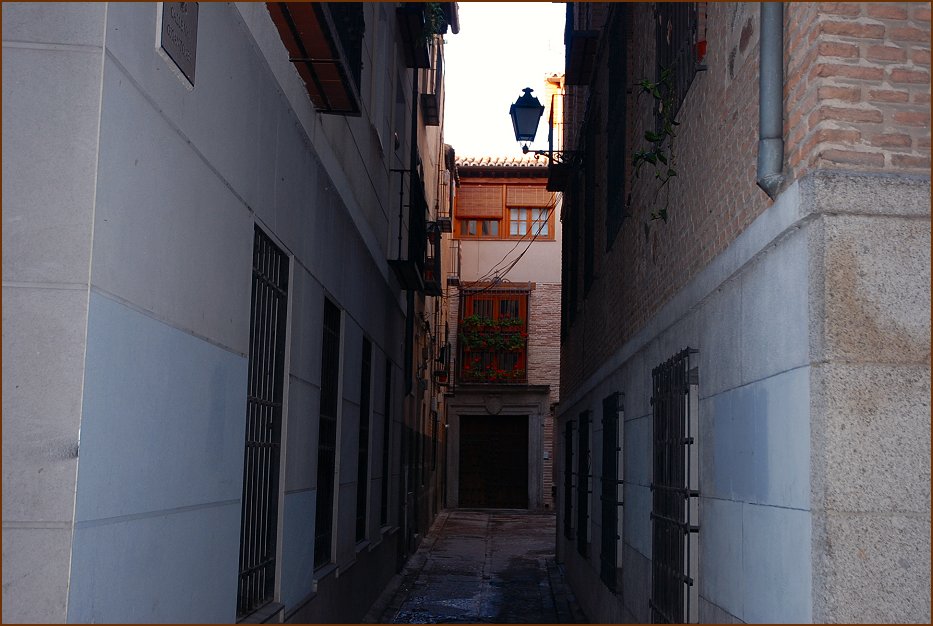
524, 160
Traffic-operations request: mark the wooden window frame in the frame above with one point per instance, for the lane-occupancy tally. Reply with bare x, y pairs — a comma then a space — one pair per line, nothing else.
495, 298
529, 223
478, 235
502, 216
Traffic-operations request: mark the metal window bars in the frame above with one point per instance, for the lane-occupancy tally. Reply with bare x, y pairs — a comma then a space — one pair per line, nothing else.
362, 462
583, 486
259, 517
675, 495
609, 498
327, 435
568, 480
676, 41
386, 438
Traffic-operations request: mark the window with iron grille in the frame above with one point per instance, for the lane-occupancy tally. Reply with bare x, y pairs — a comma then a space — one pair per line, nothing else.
675, 496
266, 375
386, 438
583, 484
324, 41
434, 426
609, 498
362, 466
350, 27
589, 202
617, 157
676, 24
493, 336
568, 480
327, 435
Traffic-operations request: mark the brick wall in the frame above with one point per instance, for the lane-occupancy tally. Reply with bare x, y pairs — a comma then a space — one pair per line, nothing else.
544, 337
856, 97
858, 86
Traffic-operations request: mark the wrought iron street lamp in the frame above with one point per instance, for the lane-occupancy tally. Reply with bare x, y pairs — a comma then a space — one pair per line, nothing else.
526, 112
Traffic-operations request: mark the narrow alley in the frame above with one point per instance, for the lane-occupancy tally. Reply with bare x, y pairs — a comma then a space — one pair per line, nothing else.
482, 566
466, 312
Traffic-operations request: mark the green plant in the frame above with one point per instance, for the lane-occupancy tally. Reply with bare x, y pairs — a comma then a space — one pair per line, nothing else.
434, 20
660, 154
475, 369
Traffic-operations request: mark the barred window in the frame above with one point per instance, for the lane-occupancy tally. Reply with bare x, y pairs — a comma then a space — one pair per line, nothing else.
493, 336
362, 474
617, 157
266, 377
609, 497
327, 436
583, 484
674, 490
568, 480
386, 440
676, 46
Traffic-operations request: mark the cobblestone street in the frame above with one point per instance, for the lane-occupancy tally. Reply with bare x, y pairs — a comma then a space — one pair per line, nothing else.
483, 567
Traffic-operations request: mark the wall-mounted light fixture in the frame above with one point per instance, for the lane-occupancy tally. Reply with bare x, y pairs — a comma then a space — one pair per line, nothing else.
526, 113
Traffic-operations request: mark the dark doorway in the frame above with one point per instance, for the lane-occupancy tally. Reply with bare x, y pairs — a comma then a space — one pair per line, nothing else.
494, 461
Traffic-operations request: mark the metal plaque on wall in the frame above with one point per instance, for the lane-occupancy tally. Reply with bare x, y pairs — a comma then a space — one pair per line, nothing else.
180, 35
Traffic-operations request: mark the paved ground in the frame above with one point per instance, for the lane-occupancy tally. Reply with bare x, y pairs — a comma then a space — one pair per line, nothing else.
482, 567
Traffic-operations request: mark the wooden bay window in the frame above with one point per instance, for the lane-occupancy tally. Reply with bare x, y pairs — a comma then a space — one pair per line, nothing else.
493, 336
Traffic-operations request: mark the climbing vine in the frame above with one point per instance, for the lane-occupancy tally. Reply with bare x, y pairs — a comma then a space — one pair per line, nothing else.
659, 156
434, 20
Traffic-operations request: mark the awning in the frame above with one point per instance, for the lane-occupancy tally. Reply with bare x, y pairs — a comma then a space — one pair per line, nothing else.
324, 43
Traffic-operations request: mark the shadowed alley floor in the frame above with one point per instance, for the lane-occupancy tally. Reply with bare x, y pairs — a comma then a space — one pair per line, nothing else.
488, 566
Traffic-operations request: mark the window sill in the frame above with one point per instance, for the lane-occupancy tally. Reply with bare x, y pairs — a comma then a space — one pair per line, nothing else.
264, 614
323, 572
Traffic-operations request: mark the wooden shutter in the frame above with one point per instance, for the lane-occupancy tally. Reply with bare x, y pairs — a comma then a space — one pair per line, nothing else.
479, 202
529, 197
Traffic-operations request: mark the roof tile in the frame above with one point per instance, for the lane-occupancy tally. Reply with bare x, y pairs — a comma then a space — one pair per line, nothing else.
525, 160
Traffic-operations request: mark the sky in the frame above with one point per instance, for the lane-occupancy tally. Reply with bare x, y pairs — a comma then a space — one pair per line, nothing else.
502, 48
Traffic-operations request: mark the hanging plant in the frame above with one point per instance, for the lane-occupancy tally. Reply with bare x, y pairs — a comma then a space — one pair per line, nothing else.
434, 20
659, 155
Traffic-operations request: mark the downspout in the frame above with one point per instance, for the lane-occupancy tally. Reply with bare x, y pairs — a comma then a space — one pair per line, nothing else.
771, 98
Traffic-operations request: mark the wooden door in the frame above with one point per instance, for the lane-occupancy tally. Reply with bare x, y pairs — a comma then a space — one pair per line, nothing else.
494, 461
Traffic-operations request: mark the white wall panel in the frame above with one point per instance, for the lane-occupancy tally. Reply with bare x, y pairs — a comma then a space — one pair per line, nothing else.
298, 546
164, 418
157, 568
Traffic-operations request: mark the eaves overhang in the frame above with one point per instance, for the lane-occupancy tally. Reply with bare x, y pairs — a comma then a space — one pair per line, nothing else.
310, 35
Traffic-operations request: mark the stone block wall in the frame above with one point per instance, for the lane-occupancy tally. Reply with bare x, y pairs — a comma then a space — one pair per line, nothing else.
870, 397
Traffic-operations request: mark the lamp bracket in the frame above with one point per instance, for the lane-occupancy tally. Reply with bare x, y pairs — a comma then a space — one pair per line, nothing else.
557, 157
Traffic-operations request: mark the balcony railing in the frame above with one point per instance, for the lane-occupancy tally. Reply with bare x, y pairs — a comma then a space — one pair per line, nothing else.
493, 351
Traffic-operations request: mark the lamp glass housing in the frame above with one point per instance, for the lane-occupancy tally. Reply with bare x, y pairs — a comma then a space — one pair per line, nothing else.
526, 113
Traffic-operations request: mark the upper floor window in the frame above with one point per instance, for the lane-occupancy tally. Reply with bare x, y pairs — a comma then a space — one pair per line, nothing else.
534, 222
478, 229
676, 46
504, 211
493, 336
324, 41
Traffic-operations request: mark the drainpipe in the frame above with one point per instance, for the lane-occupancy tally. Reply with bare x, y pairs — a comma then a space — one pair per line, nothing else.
771, 98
